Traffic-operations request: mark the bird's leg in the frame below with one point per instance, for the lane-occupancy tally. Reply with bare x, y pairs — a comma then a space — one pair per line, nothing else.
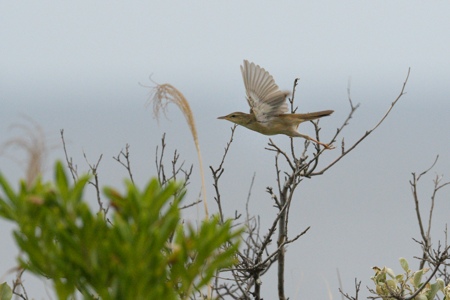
326, 146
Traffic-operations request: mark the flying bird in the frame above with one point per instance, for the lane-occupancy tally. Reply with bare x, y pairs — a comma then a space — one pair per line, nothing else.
268, 108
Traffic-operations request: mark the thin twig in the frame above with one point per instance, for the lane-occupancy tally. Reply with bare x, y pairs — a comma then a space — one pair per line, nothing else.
70, 165
127, 163
18, 284
94, 168
291, 102
217, 173
192, 204
345, 152
357, 289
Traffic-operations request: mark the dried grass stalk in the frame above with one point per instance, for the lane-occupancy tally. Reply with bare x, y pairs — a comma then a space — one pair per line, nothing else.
162, 95
32, 140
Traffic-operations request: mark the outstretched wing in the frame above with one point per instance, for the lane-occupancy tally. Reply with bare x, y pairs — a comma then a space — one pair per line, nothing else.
263, 94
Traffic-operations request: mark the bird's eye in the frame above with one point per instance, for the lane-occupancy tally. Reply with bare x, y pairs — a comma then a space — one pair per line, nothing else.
233, 116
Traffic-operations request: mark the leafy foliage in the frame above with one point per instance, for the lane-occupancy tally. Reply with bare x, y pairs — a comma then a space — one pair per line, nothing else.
5, 291
144, 252
389, 286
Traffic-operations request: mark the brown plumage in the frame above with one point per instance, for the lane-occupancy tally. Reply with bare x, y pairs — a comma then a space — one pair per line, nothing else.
268, 108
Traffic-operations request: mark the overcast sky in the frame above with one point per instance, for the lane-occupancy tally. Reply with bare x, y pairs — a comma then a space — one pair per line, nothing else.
80, 67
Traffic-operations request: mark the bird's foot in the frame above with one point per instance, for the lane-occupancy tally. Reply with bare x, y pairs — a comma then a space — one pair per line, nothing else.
326, 146
329, 147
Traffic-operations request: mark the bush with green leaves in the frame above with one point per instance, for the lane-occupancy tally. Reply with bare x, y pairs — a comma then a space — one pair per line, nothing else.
141, 250
410, 285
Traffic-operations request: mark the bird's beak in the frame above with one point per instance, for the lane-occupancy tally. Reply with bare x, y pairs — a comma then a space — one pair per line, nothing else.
222, 118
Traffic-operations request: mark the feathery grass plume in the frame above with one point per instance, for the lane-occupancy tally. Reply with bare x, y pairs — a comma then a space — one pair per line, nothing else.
161, 96
32, 140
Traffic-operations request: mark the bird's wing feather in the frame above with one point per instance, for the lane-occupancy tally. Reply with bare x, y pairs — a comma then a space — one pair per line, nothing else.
263, 94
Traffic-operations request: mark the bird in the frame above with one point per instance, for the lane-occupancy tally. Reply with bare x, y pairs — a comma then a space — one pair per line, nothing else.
268, 108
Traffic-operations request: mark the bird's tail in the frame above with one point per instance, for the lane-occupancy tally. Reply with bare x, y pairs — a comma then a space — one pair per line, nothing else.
299, 118
313, 115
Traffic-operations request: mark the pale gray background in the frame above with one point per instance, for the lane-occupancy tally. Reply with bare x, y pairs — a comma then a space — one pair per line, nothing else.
77, 67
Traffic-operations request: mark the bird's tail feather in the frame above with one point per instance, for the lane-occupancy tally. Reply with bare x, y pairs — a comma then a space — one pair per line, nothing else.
315, 115
312, 116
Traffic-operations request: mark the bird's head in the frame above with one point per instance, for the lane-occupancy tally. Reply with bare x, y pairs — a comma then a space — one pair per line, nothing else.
239, 118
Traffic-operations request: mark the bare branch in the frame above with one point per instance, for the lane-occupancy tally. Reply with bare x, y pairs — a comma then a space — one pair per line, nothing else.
345, 152
425, 233
69, 161
191, 204
177, 169
94, 168
357, 289
127, 163
217, 173
18, 285
431, 167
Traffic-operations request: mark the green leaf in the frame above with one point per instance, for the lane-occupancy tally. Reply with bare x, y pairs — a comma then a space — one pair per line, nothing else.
441, 283
421, 297
434, 288
404, 264
417, 279
390, 272
6, 188
5, 292
61, 180
6, 209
